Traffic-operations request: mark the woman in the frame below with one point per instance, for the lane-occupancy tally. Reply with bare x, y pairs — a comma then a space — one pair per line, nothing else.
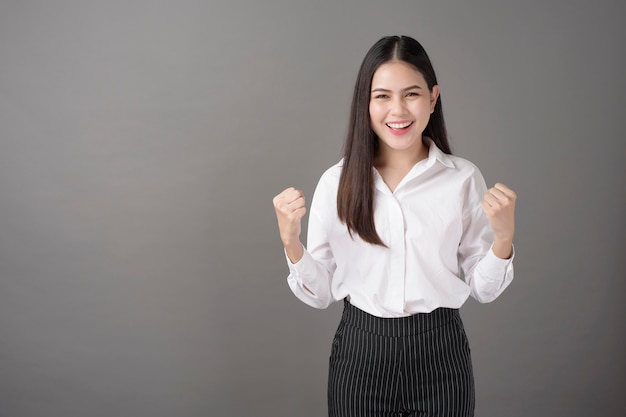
403, 232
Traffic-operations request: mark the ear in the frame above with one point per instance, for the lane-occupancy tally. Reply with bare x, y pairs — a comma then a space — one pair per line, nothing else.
434, 96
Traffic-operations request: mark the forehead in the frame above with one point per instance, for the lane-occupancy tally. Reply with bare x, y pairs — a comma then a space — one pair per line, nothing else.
397, 74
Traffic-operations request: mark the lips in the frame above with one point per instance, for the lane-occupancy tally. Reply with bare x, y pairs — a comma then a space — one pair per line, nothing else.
399, 125
399, 128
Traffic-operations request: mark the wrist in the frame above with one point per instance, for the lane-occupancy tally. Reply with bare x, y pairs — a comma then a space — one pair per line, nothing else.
294, 252
290, 240
502, 248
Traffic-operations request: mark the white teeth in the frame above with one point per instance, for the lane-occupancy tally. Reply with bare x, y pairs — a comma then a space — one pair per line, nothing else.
399, 125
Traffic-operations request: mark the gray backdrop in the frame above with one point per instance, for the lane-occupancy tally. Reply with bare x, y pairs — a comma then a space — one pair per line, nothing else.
141, 143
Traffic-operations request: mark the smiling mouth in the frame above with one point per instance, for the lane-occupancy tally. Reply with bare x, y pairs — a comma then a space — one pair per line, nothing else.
398, 126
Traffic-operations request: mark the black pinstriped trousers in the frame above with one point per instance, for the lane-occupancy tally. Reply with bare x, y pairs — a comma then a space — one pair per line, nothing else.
409, 366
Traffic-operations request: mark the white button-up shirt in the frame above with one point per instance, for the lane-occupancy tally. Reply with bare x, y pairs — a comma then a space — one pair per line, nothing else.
439, 244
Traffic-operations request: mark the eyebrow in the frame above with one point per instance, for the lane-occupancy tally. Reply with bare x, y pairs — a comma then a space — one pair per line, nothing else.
404, 89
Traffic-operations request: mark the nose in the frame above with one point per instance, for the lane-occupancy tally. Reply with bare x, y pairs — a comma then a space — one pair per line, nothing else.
398, 106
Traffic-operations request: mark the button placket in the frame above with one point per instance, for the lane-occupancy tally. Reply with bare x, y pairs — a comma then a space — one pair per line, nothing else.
397, 258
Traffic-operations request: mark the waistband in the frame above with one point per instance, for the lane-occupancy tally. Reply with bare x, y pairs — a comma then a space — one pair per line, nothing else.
398, 326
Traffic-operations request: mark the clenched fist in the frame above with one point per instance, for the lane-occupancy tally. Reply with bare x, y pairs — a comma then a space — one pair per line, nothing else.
290, 208
499, 207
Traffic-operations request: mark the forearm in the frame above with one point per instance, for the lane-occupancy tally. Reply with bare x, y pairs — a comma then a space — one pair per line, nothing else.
294, 251
502, 248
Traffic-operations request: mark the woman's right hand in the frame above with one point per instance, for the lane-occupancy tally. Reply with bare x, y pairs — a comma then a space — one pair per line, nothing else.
290, 208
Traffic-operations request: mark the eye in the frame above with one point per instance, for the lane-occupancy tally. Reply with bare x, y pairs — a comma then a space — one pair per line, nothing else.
381, 96
412, 94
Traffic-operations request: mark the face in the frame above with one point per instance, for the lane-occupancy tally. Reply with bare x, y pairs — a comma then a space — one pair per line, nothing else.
400, 106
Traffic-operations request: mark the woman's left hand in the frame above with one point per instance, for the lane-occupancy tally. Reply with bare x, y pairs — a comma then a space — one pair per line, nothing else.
499, 206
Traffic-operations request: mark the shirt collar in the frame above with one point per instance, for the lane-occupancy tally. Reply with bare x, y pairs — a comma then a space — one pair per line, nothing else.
435, 154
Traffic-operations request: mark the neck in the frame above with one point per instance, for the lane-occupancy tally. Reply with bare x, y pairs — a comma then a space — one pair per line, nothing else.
394, 159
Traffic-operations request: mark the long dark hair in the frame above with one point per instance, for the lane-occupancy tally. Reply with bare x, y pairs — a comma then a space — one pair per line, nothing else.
355, 196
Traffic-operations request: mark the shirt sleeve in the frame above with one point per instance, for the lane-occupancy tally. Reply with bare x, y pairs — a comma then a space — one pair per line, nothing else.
486, 274
310, 278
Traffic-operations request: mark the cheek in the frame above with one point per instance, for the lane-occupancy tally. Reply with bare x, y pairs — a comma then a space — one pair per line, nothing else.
421, 107
375, 111
374, 125
372, 110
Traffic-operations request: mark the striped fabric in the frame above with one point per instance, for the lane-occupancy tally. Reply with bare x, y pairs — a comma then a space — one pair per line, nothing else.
409, 366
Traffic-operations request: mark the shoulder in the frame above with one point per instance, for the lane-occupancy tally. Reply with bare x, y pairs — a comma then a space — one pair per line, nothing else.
465, 168
328, 183
455, 166
331, 175
462, 178
469, 180
462, 164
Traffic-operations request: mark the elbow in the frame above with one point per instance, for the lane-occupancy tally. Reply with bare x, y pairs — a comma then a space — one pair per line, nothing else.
484, 298
488, 294
310, 297
318, 303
